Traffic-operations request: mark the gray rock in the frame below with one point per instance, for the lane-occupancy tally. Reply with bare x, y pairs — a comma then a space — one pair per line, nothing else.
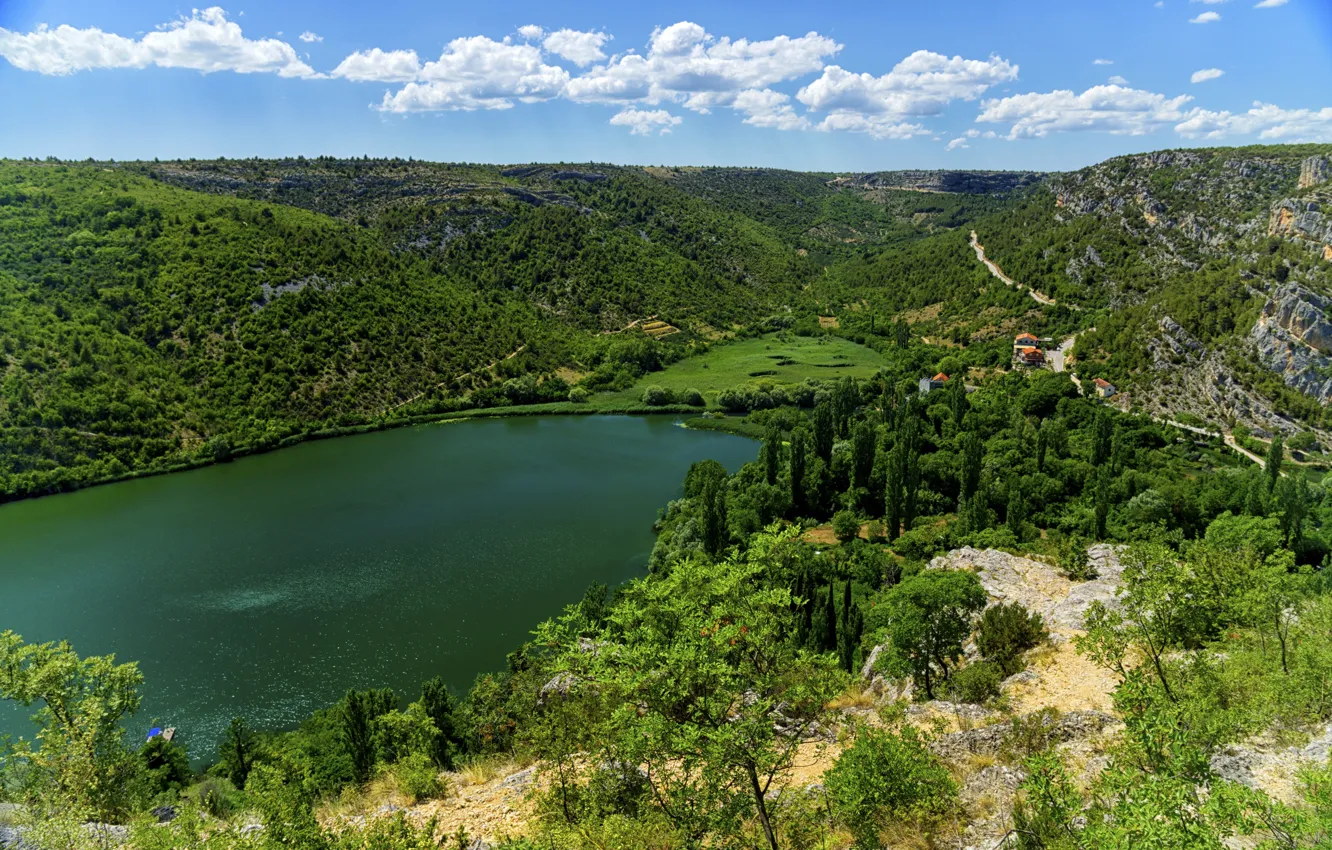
1314, 170
867, 670
520, 780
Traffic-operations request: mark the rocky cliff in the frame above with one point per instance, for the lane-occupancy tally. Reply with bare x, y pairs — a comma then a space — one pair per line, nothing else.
1315, 170
1292, 338
961, 182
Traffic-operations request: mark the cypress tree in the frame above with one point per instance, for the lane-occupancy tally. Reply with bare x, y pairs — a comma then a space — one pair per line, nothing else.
973, 451
1016, 510
830, 621
864, 445
772, 453
1274, 458
893, 491
799, 459
439, 706
847, 647
356, 734
824, 430
1102, 435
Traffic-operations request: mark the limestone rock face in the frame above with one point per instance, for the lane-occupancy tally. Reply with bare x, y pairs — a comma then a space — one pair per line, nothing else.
1300, 218
1291, 336
1315, 170
1261, 764
1038, 586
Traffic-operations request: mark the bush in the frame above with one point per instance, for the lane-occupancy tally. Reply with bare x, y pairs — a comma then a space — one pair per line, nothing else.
655, 396
846, 525
885, 777
693, 398
976, 683
1074, 561
417, 776
1006, 631
214, 795
579, 395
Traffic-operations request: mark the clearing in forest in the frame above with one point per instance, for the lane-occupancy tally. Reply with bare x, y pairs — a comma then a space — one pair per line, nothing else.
768, 358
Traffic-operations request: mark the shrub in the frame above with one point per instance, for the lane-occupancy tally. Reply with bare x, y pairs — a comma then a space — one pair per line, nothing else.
417, 776
846, 525
579, 395
1006, 631
693, 398
885, 777
976, 683
655, 396
1074, 562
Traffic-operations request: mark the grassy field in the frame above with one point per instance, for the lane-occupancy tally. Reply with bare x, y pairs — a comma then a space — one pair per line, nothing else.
768, 358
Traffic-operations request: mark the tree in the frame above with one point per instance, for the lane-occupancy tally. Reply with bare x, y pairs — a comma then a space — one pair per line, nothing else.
1005, 632
771, 453
701, 667
1274, 458
864, 444
799, 459
439, 705
930, 616
885, 776
359, 710
82, 763
238, 751
845, 400
894, 491
1102, 437
846, 525
712, 505
1017, 511
824, 430
973, 451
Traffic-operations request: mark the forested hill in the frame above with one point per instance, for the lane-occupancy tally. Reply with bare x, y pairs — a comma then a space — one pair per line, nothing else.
166, 313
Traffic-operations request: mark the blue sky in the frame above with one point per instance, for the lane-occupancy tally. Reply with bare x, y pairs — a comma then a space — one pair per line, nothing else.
1042, 84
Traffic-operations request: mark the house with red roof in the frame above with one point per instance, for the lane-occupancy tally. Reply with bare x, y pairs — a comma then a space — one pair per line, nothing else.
927, 384
1104, 389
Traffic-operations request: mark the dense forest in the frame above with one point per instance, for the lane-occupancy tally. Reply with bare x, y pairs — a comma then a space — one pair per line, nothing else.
832, 603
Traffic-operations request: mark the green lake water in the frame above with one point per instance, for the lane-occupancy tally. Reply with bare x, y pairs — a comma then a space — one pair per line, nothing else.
266, 587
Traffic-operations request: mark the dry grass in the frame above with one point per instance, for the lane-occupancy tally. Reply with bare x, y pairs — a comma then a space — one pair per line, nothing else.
856, 695
480, 771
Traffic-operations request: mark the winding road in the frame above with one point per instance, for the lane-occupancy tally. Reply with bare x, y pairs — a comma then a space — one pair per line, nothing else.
1040, 298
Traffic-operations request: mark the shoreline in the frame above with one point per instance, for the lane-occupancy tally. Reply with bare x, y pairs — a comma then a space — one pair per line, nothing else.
554, 408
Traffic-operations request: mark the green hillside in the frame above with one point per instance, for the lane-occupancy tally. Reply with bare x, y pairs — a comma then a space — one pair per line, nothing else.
163, 314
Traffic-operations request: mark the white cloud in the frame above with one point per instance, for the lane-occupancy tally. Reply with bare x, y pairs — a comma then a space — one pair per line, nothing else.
875, 126
885, 107
205, 41
580, 48
643, 122
1103, 61
768, 108
1264, 119
479, 73
1205, 18
531, 32
1206, 74
1118, 81
973, 133
1271, 4
1109, 109
380, 66
309, 37
684, 62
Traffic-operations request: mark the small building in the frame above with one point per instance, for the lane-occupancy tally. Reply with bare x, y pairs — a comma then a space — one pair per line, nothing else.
1104, 389
1029, 356
1025, 341
927, 384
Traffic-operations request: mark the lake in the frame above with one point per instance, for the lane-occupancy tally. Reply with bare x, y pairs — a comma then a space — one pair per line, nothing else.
266, 587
